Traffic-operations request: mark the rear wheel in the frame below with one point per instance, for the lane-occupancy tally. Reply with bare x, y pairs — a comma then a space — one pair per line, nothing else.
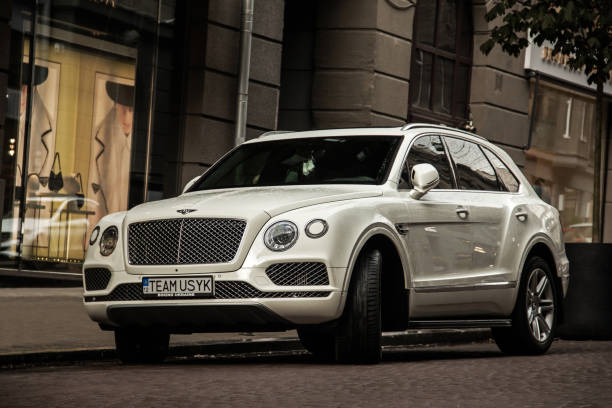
358, 335
533, 319
141, 346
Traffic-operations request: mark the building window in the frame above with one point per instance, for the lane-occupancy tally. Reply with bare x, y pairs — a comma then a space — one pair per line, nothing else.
559, 162
441, 62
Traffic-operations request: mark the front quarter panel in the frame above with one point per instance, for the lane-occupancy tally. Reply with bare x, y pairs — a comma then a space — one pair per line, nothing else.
350, 222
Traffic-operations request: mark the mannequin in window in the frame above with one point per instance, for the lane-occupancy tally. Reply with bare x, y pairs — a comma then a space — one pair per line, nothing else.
41, 148
42, 141
109, 169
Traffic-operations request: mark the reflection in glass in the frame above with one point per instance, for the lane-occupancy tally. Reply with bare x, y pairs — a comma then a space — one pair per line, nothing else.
559, 163
421, 75
428, 149
447, 25
473, 170
426, 22
443, 87
82, 105
506, 178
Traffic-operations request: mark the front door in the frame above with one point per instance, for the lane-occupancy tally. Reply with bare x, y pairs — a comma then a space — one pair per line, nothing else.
436, 229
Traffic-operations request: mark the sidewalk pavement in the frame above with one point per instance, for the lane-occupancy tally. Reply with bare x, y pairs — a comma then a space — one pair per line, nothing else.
50, 324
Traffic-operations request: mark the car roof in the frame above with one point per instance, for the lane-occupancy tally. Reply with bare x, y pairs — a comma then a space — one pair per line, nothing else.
282, 135
406, 130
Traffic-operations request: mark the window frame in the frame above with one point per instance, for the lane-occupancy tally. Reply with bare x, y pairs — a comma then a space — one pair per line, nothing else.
416, 113
486, 159
499, 181
443, 137
482, 147
448, 158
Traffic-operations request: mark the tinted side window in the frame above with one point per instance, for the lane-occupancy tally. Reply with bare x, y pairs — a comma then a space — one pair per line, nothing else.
474, 172
507, 180
428, 149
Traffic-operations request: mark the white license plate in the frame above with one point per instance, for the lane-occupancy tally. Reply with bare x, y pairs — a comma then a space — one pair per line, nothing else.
178, 287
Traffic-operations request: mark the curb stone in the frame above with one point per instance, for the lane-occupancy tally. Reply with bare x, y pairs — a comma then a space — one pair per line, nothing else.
393, 339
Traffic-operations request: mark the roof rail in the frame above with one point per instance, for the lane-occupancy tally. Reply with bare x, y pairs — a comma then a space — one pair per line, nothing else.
275, 132
409, 126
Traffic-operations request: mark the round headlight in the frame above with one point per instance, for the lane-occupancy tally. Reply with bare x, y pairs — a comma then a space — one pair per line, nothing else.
94, 235
316, 228
108, 242
281, 236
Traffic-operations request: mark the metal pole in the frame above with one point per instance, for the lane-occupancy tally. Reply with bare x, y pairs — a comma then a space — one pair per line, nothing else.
152, 94
534, 104
246, 27
28, 127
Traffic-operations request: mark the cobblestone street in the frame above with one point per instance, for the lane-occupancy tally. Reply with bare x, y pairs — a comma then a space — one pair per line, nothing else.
572, 374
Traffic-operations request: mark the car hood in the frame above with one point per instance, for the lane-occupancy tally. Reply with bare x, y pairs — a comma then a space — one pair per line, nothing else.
249, 202
254, 205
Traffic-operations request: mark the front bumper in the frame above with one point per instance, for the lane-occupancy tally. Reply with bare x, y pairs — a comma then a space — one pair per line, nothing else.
243, 301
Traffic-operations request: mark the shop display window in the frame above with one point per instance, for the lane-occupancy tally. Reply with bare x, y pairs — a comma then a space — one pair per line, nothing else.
79, 122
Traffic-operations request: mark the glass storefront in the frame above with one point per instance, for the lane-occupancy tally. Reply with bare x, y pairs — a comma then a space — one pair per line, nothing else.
560, 161
81, 123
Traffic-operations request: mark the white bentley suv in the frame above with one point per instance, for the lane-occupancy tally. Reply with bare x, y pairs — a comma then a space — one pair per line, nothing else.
341, 234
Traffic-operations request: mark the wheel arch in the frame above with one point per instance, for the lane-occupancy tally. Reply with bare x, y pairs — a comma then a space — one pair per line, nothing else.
542, 247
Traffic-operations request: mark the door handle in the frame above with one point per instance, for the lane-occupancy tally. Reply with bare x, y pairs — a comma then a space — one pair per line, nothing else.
521, 216
462, 213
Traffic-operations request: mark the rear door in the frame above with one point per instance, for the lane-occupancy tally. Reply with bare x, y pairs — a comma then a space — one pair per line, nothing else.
480, 189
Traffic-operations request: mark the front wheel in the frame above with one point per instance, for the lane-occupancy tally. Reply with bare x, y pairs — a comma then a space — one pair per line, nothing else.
141, 346
534, 318
358, 335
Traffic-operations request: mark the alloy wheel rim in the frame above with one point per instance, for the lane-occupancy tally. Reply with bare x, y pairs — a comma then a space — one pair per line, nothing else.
540, 305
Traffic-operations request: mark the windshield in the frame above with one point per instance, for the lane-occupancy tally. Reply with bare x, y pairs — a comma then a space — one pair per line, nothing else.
331, 160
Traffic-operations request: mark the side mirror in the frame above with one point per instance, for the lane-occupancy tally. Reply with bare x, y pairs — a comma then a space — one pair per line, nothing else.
424, 177
190, 183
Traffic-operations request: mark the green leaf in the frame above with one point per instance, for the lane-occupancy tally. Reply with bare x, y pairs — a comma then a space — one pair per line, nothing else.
487, 46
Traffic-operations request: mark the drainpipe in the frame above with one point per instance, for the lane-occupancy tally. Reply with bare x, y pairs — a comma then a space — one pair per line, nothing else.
533, 108
246, 27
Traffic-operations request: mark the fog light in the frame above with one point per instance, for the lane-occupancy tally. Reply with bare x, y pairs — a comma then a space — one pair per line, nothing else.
94, 235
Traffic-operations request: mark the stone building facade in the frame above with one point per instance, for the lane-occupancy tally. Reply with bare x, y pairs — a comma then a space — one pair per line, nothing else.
314, 64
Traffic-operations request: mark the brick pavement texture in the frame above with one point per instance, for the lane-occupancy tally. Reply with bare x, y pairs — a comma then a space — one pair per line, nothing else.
54, 319
572, 374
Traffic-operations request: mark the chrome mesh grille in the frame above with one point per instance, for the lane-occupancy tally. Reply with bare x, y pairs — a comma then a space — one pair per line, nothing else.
298, 274
223, 290
96, 278
182, 241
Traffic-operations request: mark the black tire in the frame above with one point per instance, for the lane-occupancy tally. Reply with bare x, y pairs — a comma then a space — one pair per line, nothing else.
320, 343
520, 338
358, 335
141, 346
